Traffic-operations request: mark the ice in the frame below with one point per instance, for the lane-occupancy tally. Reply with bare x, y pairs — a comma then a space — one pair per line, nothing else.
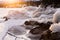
11, 24
17, 17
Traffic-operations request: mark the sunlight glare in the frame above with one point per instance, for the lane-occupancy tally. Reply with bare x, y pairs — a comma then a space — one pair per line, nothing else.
11, 1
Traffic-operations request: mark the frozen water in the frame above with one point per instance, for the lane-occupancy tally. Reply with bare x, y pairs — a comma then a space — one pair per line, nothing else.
17, 18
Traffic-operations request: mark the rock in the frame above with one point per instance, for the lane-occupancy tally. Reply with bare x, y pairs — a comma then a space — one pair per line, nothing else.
31, 24
42, 27
50, 36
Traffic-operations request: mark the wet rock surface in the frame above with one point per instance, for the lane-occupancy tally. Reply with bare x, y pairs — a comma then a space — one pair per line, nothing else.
42, 27
36, 32
50, 36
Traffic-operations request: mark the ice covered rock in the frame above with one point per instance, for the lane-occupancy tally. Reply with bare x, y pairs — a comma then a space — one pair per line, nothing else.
42, 27
55, 27
48, 10
35, 33
31, 24
53, 33
56, 17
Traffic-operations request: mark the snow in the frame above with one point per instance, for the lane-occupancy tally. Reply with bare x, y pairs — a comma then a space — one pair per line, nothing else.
56, 17
17, 18
11, 24
55, 27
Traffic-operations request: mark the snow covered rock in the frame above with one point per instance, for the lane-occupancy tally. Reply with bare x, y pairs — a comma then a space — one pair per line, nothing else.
44, 16
42, 27
53, 33
35, 33
49, 10
55, 27
56, 17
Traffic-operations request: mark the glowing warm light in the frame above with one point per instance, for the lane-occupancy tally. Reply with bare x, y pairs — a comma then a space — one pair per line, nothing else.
14, 3
11, 1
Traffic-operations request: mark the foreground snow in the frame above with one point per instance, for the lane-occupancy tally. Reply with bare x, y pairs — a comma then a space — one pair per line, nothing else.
17, 17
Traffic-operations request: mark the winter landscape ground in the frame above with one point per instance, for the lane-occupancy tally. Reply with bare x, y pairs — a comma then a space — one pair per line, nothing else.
13, 27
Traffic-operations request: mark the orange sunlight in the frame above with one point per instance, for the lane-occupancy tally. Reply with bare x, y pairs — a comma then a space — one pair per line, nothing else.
13, 3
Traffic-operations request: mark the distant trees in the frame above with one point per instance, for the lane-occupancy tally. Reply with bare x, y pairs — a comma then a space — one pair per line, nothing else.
1, 5
33, 3
54, 3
